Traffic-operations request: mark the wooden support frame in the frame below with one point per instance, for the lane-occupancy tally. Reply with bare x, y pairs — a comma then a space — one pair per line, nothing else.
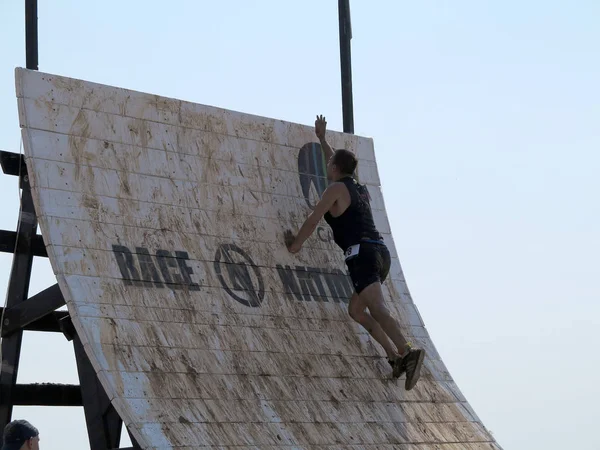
38, 313
49, 323
32, 309
47, 394
12, 163
8, 240
18, 287
103, 422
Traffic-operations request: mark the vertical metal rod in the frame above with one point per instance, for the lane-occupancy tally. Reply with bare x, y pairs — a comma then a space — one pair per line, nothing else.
346, 64
31, 34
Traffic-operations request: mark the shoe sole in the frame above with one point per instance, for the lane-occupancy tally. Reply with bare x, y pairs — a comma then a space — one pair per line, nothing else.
416, 373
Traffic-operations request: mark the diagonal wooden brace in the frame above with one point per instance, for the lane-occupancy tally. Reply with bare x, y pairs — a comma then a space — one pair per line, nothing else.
22, 314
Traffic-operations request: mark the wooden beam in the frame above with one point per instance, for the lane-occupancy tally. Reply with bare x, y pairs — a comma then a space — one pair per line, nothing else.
103, 423
18, 287
32, 309
8, 239
49, 323
11, 162
47, 394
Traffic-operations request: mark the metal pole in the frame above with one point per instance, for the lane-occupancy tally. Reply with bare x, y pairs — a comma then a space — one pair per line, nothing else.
31, 34
346, 64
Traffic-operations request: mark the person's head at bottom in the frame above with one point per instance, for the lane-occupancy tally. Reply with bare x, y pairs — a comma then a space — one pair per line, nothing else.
20, 435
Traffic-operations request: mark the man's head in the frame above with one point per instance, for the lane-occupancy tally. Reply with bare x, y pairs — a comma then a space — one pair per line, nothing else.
341, 164
20, 435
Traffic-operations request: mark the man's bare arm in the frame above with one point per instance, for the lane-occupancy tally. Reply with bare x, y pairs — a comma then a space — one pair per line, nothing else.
320, 131
330, 196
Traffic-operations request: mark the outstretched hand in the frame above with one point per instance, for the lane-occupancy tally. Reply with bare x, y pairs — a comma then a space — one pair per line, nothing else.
290, 242
320, 127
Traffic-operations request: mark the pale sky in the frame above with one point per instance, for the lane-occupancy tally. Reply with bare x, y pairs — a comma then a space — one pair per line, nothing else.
485, 122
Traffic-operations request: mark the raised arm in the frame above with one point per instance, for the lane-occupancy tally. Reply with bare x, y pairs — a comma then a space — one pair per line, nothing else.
320, 130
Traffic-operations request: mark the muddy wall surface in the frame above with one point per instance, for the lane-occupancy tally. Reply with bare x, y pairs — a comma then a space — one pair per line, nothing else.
164, 223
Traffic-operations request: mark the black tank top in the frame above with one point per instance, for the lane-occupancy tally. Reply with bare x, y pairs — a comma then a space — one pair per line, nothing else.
356, 223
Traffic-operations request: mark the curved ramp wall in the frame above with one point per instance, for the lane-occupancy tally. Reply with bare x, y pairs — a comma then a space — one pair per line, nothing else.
164, 224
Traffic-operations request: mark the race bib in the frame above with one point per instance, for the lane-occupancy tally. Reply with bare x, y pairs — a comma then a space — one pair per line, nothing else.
352, 251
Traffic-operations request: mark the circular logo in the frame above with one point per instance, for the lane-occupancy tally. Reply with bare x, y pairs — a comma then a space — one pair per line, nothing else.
312, 169
239, 276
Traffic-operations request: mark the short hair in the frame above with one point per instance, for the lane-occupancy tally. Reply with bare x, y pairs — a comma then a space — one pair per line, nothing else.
345, 160
17, 432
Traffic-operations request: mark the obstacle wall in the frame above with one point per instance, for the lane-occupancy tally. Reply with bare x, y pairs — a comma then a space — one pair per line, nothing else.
164, 225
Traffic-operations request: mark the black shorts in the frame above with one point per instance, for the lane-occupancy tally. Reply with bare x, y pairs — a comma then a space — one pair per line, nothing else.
370, 265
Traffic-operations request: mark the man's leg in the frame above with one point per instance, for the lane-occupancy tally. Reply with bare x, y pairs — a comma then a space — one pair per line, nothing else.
357, 310
372, 297
410, 360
